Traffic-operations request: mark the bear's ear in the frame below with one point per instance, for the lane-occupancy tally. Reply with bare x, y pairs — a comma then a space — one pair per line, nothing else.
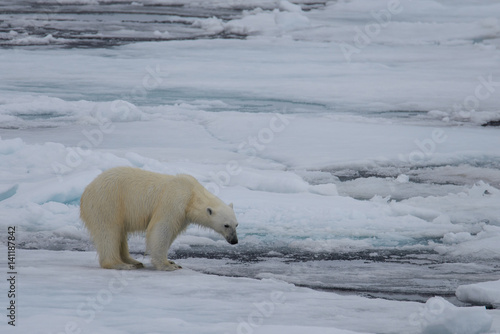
231, 205
209, 210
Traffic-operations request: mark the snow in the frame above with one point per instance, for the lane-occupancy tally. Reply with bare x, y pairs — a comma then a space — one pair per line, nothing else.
83, 297
483, 293
347, 134
55, 174
442, 317
258, 22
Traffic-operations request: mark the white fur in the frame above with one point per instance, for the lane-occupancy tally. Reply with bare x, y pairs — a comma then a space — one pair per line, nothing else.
124, 199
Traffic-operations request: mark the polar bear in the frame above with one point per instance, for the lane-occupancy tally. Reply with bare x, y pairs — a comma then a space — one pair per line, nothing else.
122, 200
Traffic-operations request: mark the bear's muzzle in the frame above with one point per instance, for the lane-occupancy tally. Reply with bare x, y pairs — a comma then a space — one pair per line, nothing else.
233, 239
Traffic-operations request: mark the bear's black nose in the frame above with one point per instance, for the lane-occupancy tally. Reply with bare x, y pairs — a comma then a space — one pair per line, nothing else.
233, 241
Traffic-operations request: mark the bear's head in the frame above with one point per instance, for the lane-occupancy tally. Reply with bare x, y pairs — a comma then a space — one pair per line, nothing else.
223, 220
207, 210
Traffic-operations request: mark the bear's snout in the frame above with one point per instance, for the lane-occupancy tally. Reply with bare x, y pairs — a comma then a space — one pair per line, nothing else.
233, 240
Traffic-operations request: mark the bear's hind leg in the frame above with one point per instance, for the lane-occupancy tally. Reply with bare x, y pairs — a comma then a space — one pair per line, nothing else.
108, 244
125, 255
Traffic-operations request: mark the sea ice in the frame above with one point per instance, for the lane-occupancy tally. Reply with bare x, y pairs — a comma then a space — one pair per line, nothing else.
371, 160
441, 317
483, 293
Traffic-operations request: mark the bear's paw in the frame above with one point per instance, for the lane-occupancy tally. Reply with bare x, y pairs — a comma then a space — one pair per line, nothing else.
167, 266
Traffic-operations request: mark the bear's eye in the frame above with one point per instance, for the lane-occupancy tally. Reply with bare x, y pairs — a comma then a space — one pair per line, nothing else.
226, 226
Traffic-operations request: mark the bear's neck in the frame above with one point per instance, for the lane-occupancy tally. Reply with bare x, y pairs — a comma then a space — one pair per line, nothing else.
196, 211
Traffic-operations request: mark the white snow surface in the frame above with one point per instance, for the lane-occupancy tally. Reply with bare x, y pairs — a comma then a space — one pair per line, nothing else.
349, 127
65, 292
483, 293
444, 318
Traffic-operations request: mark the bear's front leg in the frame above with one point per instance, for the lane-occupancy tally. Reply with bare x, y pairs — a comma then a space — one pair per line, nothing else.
158, 239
